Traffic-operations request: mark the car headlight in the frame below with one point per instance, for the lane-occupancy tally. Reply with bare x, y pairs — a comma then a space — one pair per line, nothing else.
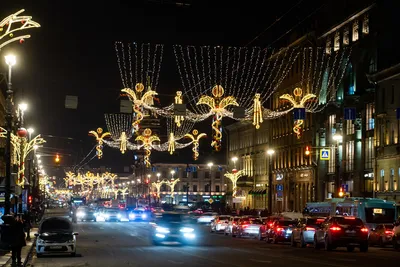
186, 230
80, 214
132, 216
118, 215
71, 241
162, 230
40, 241
106, 216
289, 231
144, 216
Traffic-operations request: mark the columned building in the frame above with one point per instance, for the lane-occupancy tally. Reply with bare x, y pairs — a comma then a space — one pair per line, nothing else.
198, 182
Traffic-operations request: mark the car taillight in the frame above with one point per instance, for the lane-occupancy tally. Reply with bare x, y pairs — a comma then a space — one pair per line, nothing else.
310, 229
388, 232
218, 221
364, 230
270, 224
335, 228
279, 229
233, 223
244, 225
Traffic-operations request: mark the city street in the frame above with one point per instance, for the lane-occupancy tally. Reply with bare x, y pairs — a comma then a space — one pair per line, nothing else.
127, 244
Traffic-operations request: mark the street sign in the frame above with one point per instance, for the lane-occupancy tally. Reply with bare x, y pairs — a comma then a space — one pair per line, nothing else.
239, 112
279, 187
299, 114
398, 113
349, 114
325, 154
345, 187
210, 200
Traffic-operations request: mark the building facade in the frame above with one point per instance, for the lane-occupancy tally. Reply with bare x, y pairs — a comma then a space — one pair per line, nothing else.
387, 145
299, 177
197, 182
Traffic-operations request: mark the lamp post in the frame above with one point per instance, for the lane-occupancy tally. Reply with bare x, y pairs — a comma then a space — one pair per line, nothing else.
234, 159
338, 138
270, 152
11, 61
30, 132
210, 164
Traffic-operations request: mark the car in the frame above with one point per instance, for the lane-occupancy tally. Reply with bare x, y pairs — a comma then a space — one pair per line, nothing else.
382, 235
247, 226
112, 215
267, 223
173, 227
85, 214
280, 231
342, 231
303, 233
219, 223
206, 217
136, 215
56, 236
231, 223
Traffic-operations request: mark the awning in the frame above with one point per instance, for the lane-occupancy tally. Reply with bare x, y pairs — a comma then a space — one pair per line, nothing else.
258, 192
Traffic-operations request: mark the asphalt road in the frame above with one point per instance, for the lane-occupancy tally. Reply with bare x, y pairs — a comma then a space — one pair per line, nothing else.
128, 244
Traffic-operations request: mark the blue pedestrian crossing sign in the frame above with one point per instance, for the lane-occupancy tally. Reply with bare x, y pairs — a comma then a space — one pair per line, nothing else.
325, 154
299, 114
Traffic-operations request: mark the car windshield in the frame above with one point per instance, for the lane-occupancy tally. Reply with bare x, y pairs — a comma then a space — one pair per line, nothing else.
349, 221
379, 215
171, 218
55, 225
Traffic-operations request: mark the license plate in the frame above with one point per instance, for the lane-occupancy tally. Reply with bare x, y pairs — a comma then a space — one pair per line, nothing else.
56, 247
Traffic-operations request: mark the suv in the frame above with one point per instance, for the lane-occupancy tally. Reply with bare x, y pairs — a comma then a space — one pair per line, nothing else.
341, 231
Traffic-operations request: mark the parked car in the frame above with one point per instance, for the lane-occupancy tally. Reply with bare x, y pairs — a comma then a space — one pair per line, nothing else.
303, 233
382, 235
56, 236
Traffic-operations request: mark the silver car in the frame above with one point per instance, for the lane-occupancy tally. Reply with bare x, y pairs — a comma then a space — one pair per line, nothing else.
303, 233
56, 236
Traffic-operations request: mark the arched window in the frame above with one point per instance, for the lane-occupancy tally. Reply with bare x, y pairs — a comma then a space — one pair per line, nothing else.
349, 85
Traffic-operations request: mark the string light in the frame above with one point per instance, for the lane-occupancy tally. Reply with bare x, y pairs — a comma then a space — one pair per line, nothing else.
257, 111
234, 177
158, 185
178, 100
171, 185
100, 136
119, 123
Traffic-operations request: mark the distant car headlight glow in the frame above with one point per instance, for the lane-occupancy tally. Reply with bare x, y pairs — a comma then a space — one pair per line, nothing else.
162, 230
119, 216
132, 216
144, 216
186, 230
80, 214
289, 231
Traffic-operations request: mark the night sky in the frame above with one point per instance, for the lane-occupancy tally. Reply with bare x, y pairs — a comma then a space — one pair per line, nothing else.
73, 54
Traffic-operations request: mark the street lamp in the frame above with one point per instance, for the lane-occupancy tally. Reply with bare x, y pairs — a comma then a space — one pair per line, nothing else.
172, 174
11, 61
210, 164
270, 153
234, 159
158, 176
338, 138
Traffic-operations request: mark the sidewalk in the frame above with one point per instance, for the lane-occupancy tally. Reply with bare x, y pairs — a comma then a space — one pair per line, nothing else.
5, 258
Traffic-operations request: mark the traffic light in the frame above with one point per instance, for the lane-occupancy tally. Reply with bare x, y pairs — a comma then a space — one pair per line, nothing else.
57, 159
307, 152
341, 193
30, 200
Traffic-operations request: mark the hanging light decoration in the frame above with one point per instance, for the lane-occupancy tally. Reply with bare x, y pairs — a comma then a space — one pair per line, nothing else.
257, 111
147, 139
178, 100
195, 137
99, 135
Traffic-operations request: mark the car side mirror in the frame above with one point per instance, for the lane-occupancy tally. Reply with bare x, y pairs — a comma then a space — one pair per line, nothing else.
36, 234
75, 233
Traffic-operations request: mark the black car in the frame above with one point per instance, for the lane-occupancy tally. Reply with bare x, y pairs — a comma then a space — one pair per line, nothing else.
173, 227
85, 215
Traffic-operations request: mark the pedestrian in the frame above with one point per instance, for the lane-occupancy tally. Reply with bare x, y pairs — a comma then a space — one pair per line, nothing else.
27, 225
18, 241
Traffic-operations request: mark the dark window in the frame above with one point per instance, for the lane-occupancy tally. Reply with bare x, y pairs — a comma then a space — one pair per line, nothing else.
379, 215
206, 188
164, 174
207, 174
217, 175
194, 188
194, 175
184, 174
55, 225
217, 188
392, 95
164, 187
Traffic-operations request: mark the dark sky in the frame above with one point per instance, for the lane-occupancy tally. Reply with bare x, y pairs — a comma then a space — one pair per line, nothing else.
73, 54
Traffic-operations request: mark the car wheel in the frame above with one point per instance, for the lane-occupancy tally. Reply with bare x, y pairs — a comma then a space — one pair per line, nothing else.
328, 247
260, 237
292, 242
350, 248
364, 247
95, 220
73, 254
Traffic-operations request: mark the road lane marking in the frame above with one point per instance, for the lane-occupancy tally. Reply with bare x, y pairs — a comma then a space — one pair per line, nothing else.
261, 261
207, 258
175, 262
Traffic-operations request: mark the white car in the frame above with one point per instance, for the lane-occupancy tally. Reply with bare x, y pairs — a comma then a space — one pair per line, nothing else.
207, 217
396, 235
56, 236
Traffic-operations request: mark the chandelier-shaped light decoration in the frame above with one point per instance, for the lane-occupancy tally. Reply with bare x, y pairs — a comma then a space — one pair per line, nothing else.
298, 101
158, 185
218, 105
195, 137
257, 111
234, 177
120, 128
124, 141
147, 139
7, 28
138, 100
100, 136
178, 100
171, 185
171, 143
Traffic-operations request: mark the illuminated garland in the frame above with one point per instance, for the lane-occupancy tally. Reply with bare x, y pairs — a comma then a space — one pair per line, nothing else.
178, 100
217, 105
171, 185
147, 139
158, 185
99, 135
257, 112
3, 133
7, 29
234, 177
119, 123
195, 137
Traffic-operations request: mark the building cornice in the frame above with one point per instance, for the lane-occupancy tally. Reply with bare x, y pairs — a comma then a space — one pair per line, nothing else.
384, 75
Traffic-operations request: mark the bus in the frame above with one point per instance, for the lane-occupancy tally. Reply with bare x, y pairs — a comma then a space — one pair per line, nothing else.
371, 211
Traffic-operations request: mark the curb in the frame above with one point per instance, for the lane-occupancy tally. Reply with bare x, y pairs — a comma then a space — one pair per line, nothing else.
29, 255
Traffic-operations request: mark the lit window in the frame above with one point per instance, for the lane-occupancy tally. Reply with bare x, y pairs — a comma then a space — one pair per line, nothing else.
355, 30
349, 127
369, 152
370, 125
328, 46
346, 37
365, 26
350, 156
382, 181
336, 42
